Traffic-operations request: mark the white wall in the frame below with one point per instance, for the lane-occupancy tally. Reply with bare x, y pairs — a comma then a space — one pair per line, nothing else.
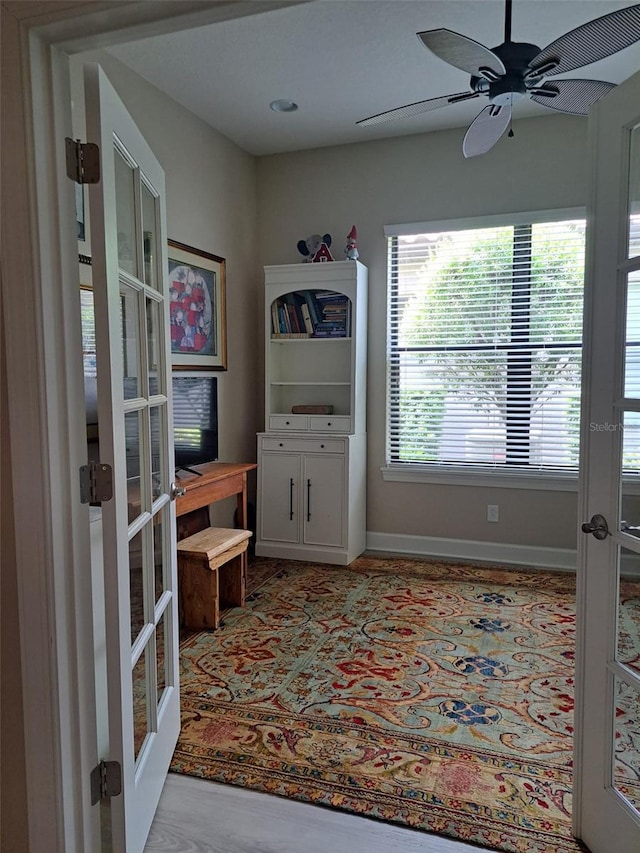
211, 205
415, 179
253, 212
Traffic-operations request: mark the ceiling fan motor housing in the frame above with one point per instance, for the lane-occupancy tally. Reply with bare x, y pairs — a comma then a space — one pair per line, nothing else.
510, 87
508, 90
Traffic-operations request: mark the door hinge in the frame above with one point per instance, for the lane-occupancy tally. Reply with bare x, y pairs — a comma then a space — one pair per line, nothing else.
83, 161
96, 483
106, 781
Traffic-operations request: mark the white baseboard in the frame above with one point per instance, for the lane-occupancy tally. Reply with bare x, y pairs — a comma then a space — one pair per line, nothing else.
309, 554
563, 559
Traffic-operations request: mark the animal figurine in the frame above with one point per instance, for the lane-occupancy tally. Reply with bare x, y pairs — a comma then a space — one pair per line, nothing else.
351, 249
315, 246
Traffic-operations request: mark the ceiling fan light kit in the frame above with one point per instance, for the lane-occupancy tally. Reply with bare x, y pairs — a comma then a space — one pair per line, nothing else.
512, 71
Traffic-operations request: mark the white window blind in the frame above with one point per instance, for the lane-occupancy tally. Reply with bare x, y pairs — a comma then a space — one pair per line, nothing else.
88, 332
485, 338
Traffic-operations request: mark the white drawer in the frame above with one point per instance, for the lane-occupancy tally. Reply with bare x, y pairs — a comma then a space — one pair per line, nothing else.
304, 445
330, 423
297, 423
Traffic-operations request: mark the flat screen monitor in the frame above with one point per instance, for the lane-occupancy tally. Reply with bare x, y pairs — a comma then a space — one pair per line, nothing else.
195, 419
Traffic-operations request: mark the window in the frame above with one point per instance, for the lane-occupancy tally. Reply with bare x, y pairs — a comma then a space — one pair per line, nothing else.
485, 340
88, 332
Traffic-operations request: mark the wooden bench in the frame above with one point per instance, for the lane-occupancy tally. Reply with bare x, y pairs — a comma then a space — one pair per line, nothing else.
212, 572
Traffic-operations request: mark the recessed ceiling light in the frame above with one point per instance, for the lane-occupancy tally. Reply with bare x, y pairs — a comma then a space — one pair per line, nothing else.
283, 105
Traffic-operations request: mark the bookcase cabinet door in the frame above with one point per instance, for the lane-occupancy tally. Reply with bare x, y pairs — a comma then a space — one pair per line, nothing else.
280, 497
323, 490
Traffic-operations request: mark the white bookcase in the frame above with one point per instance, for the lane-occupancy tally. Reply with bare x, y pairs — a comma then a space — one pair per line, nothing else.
312, 463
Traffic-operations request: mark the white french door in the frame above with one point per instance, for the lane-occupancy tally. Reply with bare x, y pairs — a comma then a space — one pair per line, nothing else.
128, 240
608, 694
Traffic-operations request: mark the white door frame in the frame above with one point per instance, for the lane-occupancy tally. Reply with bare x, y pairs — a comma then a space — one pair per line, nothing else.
41, 334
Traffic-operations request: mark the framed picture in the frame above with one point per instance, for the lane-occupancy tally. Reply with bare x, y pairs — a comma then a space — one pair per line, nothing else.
197, 309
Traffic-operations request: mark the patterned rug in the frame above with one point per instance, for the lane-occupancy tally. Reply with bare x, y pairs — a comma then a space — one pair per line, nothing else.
435, 695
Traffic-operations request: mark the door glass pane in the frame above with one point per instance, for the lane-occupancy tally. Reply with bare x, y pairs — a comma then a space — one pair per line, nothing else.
161, 660
136, 584
626, 762
126, 215
154, 338
629, 426
634, 194
158, 416
140, 705
161, 561
130, 326
132, 427
632, 349
628, 648
149, 237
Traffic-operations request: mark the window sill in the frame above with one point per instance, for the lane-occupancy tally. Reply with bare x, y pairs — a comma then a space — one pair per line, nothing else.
480, 477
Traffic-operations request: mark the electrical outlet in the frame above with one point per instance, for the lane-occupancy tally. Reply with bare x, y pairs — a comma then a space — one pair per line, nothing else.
493, 513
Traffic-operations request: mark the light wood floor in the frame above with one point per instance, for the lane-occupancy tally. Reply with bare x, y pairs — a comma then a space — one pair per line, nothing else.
196, 816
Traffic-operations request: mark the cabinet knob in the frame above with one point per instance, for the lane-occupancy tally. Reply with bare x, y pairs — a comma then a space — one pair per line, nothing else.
321, 446
328, 423
281, 444
287, 423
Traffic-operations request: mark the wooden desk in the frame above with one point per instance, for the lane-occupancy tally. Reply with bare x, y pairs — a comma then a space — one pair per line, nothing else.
218, 480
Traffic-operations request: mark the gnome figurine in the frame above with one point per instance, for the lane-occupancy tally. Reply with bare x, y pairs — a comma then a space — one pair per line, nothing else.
351, 249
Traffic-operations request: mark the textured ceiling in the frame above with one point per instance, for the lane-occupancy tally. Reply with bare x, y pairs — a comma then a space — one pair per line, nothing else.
343, 60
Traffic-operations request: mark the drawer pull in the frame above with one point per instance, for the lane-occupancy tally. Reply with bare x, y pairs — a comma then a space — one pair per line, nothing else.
322, 446
328, 423
281, 444
308, 500
287, 423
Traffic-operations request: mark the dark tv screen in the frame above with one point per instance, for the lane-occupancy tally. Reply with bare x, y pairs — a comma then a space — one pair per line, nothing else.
195, 419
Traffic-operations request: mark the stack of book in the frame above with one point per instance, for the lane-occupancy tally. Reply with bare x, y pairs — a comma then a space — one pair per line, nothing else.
335, 318
311, 313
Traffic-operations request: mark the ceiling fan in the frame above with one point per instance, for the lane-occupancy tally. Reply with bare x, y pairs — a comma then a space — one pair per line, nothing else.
516, 70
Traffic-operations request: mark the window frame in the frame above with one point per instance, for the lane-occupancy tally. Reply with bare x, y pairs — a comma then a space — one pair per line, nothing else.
468, 474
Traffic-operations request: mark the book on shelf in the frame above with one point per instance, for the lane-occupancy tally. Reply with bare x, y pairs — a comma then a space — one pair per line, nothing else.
329, 333
307, 318
310, 302
293, 310
284, 320
289, 335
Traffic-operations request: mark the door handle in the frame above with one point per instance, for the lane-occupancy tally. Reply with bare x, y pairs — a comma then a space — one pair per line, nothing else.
598, 526
308, 500
291, 499
176, 491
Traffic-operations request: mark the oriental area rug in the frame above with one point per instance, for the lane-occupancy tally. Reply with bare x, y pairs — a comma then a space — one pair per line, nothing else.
435, 695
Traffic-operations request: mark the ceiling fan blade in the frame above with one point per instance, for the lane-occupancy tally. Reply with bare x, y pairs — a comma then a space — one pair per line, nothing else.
485, 130
418, 108
463, 53
590, 42
571, 96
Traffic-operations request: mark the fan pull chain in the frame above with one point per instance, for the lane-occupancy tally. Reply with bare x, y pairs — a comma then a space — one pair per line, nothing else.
511, 134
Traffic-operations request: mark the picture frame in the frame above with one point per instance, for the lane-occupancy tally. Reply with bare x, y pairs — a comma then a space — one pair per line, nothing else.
197, 308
